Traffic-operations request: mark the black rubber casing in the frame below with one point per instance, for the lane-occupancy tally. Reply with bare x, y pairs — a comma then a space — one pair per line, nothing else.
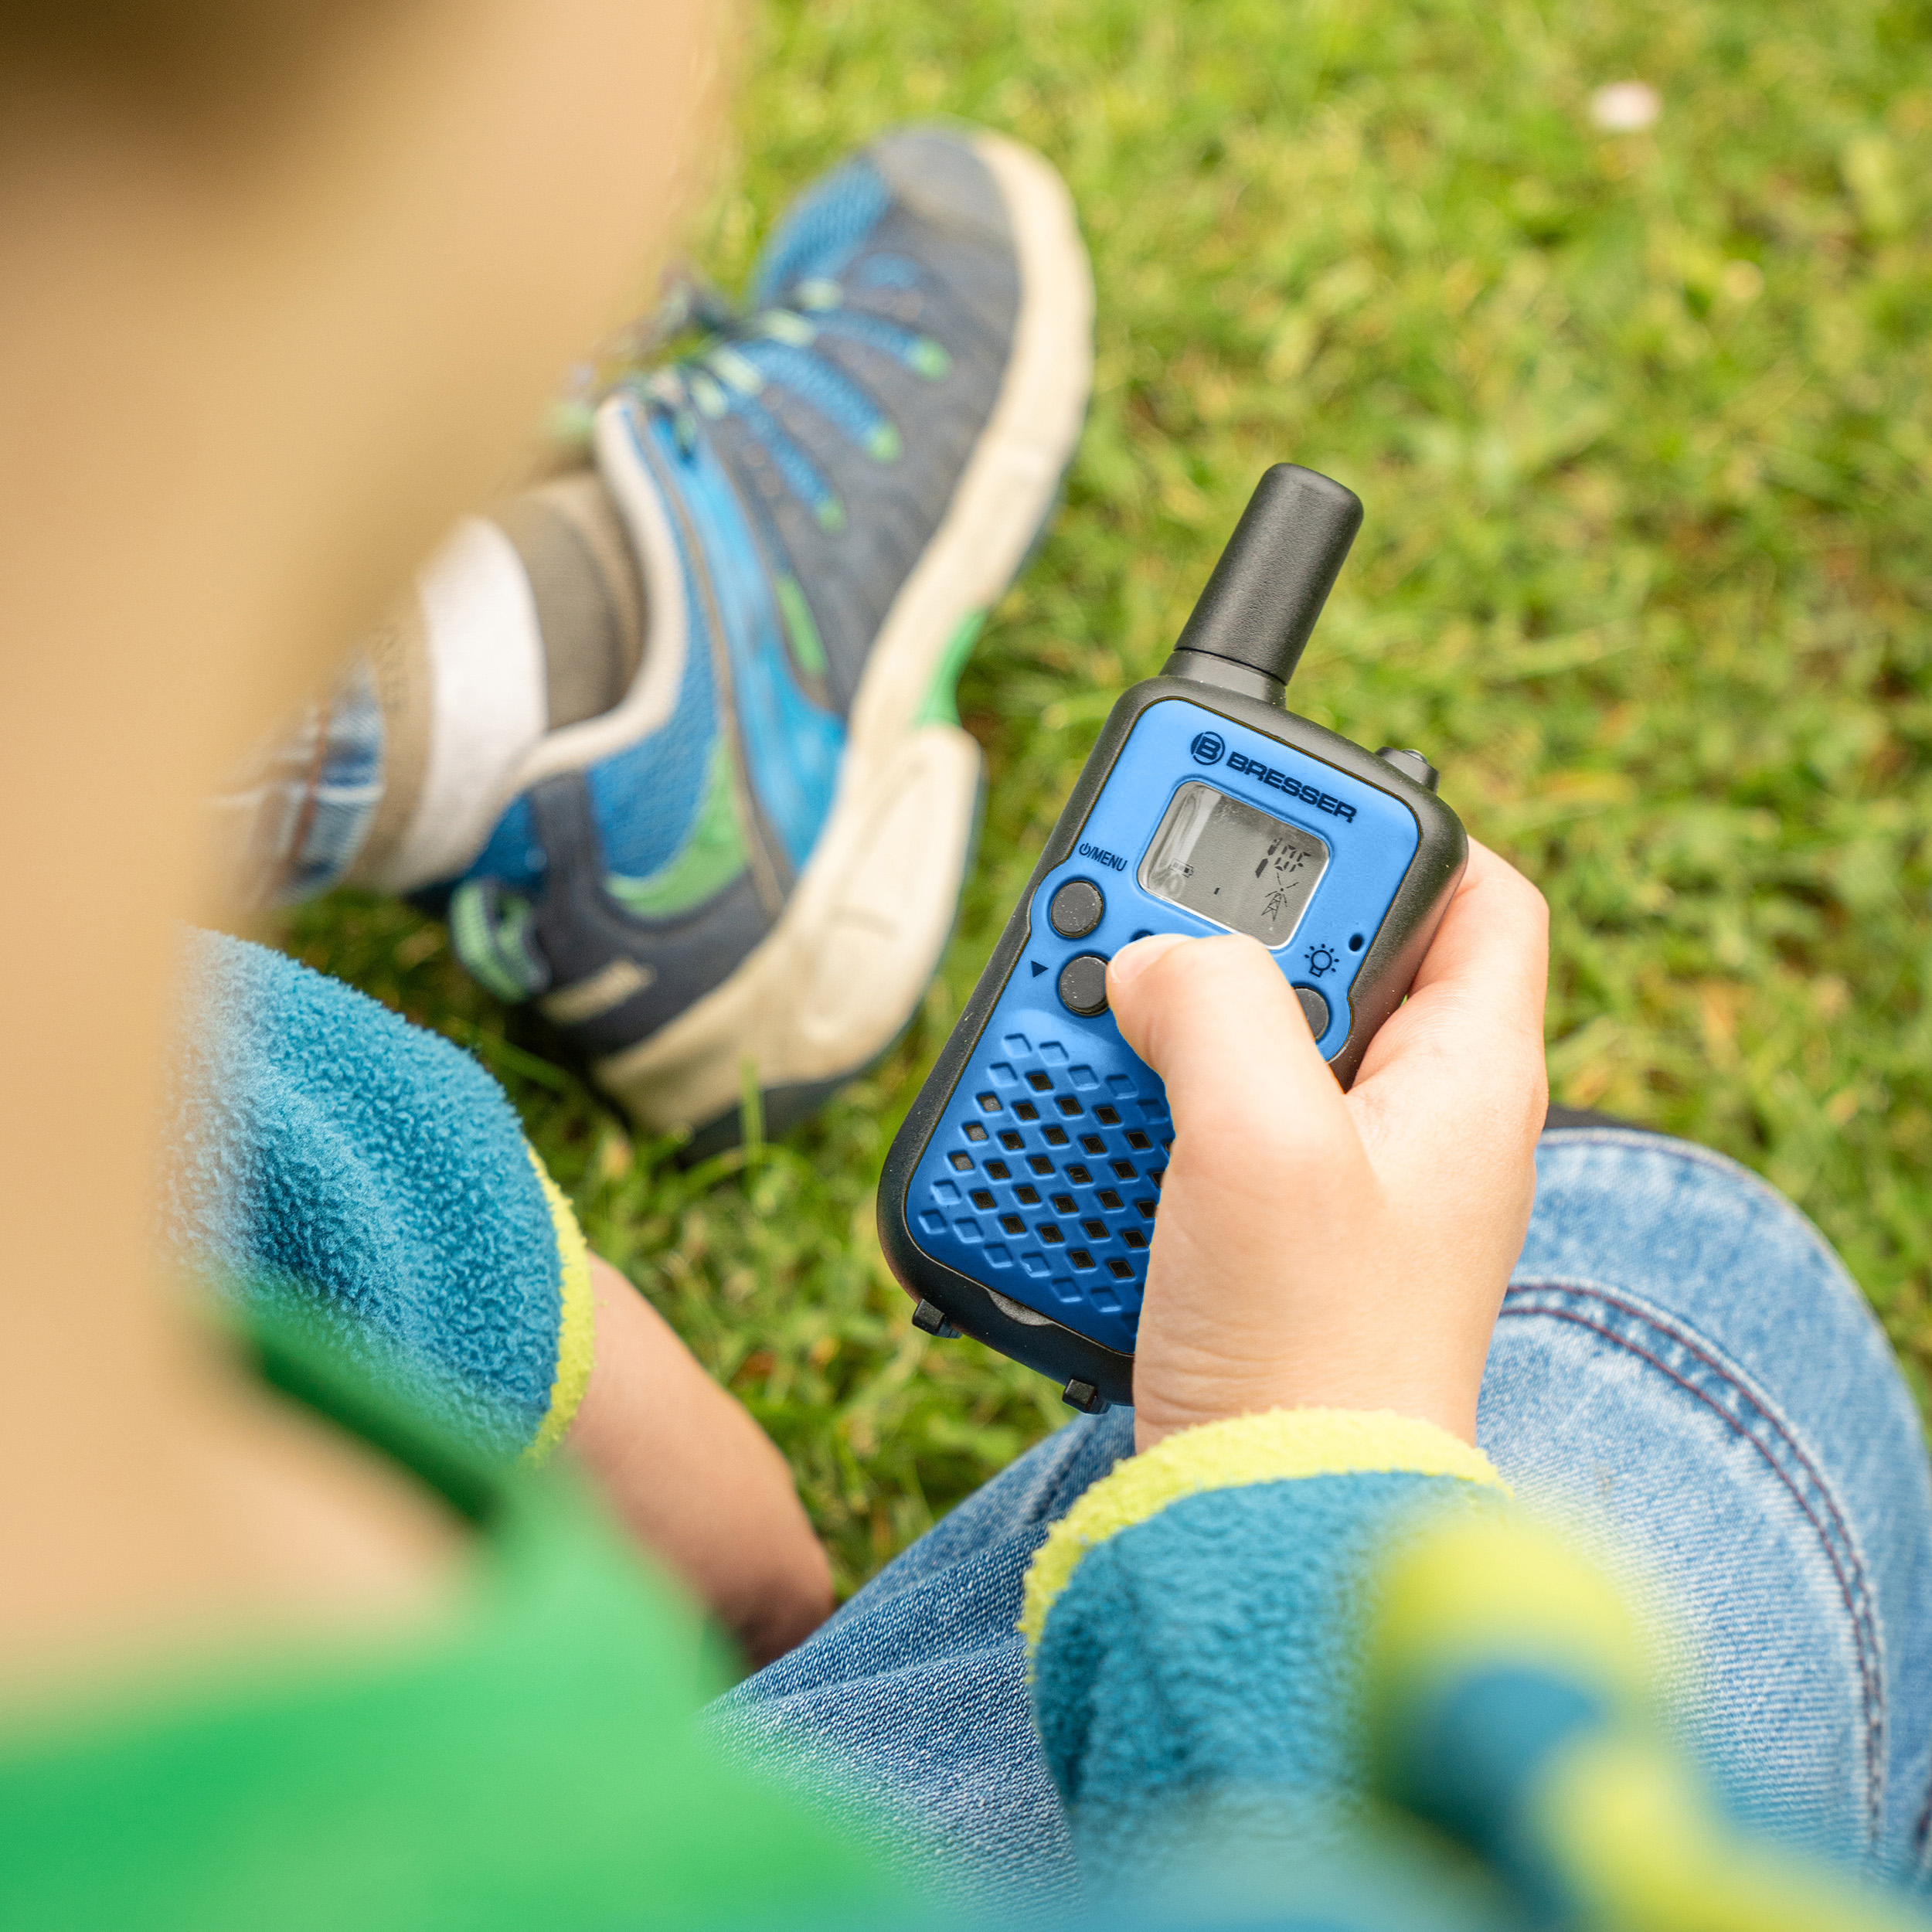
1380, 986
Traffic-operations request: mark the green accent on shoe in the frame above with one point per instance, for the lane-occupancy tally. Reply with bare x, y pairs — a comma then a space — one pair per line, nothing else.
496, 957
939, 705
884, 444
832, 515
930, 359
571, 426
783, 326
729, 366
712, 856
799, 627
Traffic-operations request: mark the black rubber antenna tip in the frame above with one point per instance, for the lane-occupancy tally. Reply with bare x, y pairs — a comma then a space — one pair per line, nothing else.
1271, 581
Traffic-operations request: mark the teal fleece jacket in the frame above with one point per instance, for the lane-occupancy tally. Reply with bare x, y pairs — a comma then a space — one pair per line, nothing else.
1301, 1669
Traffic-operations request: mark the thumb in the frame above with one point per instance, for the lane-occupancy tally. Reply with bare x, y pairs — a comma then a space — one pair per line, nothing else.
1222, 1028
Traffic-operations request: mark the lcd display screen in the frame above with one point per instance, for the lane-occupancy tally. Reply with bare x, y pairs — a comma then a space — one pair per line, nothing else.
1241, 868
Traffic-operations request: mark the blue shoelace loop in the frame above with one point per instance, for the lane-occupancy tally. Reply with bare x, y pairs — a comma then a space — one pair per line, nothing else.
772, 348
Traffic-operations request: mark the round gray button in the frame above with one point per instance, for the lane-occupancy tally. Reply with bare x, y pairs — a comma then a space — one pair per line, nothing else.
1411, 764
1076, 909
1314, 1010
1083, 985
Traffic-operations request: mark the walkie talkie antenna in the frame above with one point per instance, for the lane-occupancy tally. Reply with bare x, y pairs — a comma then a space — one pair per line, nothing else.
1247, 632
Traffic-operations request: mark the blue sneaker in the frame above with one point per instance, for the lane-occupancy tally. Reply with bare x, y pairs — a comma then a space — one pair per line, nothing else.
753, 858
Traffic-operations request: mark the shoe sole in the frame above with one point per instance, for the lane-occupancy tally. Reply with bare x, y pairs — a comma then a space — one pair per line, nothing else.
832, 984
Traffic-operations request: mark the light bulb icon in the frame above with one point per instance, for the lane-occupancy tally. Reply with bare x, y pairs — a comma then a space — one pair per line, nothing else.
1321, 959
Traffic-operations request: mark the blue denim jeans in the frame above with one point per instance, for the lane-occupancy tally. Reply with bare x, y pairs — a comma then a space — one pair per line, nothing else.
1683, 1375
299, 813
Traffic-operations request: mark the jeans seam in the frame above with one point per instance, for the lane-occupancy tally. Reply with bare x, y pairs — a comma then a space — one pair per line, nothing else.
1667, 1147
1840, 1547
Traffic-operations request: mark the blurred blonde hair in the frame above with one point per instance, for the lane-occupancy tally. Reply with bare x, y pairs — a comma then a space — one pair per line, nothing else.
183, 56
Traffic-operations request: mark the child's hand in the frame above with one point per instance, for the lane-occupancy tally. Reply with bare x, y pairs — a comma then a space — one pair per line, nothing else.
1319, 1248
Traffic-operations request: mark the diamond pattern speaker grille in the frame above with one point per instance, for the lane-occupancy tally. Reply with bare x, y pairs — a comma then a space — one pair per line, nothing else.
1042, 1180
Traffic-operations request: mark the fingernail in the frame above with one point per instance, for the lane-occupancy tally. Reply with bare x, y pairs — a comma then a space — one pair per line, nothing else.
1131, 961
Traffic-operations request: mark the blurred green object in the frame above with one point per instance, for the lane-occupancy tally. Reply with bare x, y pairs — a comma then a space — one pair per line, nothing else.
1643, 423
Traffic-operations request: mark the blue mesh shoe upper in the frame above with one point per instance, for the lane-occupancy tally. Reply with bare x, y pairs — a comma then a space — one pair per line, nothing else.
804, 455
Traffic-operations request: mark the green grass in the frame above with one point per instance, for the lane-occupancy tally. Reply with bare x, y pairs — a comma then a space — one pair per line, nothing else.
1644, 427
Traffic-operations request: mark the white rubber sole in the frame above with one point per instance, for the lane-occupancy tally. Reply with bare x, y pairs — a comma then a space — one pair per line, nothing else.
831, 984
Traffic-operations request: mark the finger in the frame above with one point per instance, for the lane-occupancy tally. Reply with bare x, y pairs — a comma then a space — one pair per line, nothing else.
1470, 1036
1481, 985
1494, 936
1219, 1023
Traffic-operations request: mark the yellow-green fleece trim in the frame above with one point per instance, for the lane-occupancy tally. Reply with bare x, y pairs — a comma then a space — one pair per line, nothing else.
1281, 1445
575, 1318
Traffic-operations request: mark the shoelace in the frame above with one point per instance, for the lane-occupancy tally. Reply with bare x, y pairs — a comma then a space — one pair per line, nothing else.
492, 928
748, 353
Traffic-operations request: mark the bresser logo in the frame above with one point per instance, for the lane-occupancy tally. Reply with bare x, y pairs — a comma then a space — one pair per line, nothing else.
1101, 856
1280, 781
1207, 748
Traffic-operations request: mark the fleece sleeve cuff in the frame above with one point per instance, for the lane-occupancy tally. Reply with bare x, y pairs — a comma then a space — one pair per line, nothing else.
326, 1155
1281, 1444
576, 1337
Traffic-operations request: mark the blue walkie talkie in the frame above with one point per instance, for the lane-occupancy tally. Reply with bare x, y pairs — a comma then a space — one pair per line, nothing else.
1021, 1195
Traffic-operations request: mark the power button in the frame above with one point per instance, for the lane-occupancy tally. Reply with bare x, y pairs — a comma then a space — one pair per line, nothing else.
1076, 909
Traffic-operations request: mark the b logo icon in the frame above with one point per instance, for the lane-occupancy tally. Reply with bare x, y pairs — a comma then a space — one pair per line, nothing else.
1207, 748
